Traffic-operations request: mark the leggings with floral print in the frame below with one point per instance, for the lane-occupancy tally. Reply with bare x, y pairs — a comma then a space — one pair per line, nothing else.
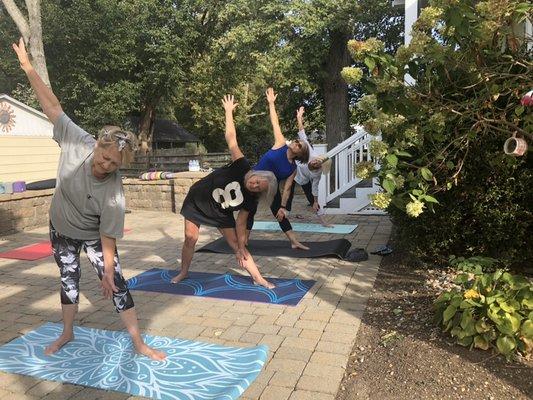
67, 256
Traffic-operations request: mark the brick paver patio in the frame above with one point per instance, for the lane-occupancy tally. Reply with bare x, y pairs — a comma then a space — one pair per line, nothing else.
309, 344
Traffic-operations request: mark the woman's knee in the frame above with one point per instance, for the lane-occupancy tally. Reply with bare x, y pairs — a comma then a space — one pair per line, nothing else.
191, 238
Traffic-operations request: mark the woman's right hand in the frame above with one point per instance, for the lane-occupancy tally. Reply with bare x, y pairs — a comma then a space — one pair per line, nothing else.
108, 285
229, 102
300, 113
22, 55
271, 96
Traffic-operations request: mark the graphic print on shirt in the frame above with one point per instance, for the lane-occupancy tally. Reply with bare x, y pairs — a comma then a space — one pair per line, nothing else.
230, 196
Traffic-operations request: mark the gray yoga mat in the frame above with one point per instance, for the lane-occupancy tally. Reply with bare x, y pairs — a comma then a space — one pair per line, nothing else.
282, 248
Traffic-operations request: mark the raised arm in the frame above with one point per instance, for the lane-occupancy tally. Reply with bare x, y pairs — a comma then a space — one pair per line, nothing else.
231, 134
47, 99
300, 118
279, 139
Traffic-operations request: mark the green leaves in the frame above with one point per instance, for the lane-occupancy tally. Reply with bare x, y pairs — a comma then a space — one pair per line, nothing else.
501, 318
449, 312
426, 174
506, 344
392, 160
389, 185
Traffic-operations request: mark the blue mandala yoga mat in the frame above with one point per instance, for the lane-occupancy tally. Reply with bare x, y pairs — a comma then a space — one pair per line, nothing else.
304, 227
233, 287
106, 360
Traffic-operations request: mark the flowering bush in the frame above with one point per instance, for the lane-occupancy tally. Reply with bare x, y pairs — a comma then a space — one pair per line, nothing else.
489, 310
469, 69
463, 92
364, 170
380, 200
352, 75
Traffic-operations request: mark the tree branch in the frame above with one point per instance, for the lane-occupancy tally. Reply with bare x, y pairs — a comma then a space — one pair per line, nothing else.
19, 19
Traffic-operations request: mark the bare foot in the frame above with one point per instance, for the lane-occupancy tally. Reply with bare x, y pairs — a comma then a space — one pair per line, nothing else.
149, 352
298, 245
60, 342
179, 278
266, 284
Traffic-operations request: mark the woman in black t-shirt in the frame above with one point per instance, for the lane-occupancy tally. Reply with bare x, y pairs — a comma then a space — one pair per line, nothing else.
212, 200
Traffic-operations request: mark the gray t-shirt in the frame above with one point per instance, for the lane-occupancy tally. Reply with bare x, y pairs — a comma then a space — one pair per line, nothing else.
84, 207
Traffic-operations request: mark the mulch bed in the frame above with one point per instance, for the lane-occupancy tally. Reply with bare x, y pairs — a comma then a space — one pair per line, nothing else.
400, 354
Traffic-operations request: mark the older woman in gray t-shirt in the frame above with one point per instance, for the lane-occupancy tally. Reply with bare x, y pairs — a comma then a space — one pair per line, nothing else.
87, 210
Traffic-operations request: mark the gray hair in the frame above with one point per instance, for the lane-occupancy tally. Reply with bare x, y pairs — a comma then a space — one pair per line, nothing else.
266, 197
126, 141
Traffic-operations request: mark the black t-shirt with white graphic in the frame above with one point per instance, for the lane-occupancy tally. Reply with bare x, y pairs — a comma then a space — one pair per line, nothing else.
212, 200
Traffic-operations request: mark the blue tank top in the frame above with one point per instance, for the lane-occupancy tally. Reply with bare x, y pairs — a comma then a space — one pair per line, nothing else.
277, 162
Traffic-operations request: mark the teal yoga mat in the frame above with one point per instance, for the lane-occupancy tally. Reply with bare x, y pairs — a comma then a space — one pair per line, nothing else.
304, 227
105, 359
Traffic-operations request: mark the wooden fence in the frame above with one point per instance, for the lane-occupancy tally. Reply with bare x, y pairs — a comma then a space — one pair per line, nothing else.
172, 162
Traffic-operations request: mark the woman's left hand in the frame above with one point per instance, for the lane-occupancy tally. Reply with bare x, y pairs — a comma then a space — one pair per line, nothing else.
108, 285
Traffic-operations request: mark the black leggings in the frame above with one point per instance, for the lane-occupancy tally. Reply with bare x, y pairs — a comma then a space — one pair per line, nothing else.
284, 224
308, 191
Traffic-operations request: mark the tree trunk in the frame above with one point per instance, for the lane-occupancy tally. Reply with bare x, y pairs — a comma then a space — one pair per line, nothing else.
336, 91
145, 127
32, 32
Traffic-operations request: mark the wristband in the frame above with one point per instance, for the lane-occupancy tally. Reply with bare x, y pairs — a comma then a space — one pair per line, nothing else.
283, 207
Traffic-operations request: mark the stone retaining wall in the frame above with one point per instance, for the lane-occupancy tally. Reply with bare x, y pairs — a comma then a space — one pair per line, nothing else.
164, 195
22, 211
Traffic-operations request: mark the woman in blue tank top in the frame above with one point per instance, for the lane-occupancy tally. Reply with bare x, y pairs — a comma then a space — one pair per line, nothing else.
281, 160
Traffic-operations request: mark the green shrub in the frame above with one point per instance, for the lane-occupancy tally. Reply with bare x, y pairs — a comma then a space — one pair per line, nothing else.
489, 310
449, 186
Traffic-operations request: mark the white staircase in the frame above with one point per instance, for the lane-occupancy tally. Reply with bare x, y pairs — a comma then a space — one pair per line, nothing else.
340, 191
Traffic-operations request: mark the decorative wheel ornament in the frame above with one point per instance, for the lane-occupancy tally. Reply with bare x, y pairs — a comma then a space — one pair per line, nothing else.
7, 117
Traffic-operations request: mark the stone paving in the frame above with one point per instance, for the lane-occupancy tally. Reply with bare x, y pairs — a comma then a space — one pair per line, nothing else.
309, 344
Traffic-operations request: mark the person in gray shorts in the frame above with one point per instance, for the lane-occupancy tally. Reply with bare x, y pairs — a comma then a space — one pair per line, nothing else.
87, 210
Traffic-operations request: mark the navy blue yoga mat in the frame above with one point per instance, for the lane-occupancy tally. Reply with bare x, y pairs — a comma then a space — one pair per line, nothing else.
233, 287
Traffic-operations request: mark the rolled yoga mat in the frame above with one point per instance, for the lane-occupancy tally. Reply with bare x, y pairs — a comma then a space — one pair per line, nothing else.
304, 227
222, 286
106, 360
282, 248
41, 185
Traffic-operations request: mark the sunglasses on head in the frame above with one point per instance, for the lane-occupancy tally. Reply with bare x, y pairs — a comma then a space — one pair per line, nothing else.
120, 137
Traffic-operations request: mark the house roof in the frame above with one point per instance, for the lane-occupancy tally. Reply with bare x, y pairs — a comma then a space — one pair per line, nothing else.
11, 100
164, 130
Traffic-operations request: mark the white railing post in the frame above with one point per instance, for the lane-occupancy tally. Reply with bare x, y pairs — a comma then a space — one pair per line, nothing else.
320, 149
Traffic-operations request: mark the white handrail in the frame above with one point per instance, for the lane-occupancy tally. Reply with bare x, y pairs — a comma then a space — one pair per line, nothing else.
344, 157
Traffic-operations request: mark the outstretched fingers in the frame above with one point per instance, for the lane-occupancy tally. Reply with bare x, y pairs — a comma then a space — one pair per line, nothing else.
228, 101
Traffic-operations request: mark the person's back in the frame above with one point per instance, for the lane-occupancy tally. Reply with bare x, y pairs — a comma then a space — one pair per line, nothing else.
275, 160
